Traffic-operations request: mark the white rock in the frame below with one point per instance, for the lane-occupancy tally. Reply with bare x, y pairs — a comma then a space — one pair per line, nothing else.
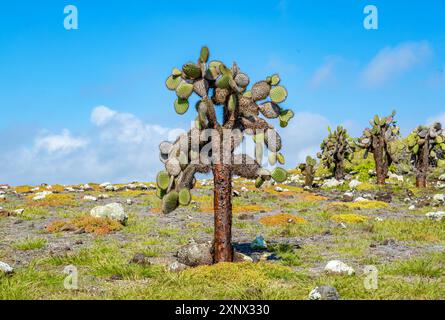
110, 188
332, 183
360, 199
113, 211
442, 177
338, 267
89, 198
436, 216
129, 202
412, 208
103, 185
6, 268
244, 189
70, 189
279, 189
378, 219
2, 197
18, 212
439, 198
395, 177
35, 189
354, 184
440, 185
103, 196
87, 187
177, 267
41, 195
324, 293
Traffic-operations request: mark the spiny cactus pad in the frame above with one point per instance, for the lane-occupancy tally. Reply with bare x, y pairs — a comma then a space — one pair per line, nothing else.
185, 197
279, 175
278, 94
163, 180
170, 202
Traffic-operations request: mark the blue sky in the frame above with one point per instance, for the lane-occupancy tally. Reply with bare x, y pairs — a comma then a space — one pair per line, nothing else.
51, 79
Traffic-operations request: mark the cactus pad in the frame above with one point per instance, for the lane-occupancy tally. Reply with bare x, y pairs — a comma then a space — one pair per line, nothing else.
279, 175
278, 94
185, 197
163, 180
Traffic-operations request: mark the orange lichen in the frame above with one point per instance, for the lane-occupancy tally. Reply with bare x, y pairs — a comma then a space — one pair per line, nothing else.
54, 200
281, 219
89, 224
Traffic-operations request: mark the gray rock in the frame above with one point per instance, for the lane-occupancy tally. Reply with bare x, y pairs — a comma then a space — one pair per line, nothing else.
324, 293
113, 211
177, 267
240, 257
338, 267
436, 216
141, 259
6, 268
195, 254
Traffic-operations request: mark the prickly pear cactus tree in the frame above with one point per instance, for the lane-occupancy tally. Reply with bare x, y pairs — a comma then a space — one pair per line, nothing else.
379, 140
226, 112
337, 148
427, 148
308, 170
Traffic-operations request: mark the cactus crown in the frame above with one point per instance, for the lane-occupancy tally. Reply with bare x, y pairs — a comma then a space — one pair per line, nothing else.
430, 137
216, 85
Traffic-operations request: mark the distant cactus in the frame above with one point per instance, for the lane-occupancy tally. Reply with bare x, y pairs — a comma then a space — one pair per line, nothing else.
427, 147
219, 86
336, 148
378, 140
308, 170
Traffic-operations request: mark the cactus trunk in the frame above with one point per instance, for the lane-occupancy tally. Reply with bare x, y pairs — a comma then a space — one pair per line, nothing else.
422, 166
381, 161
223, 251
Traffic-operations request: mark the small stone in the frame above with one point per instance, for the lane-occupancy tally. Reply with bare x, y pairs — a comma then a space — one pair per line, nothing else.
360, 199
354, 184
244, 189
235, 193
129, 202
436, 216
6, 268
240, 257
348, 197
41, 195
332, 183
339, 267
259, 243
18, 212
89, 198
324, 293
442, 177
439, 198
378, 219
177, 267
195, 254
412, 208
279, 189
141, 259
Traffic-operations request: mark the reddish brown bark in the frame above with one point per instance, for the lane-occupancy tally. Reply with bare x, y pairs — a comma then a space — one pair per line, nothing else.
223, 250
422, 166
382, 158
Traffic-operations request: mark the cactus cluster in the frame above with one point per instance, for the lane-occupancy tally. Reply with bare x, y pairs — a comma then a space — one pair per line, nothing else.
426, 145
378, 140
308, 170
336, 148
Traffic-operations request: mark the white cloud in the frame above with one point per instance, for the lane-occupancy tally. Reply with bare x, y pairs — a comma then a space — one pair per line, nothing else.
438, 118
393, 61
303, 136
324, 73
101, 115
121, 148
64, 142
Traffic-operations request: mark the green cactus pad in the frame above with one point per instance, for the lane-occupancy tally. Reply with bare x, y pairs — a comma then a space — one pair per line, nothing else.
163, 180
170, 202
232, 103
185, 197
204, 55
275, 80
181, 106
172, 82
279, 175
176, 73
192, 71
213, 70
223, 82
160, 193
278, 94
281, 159
259, 182
184, 90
